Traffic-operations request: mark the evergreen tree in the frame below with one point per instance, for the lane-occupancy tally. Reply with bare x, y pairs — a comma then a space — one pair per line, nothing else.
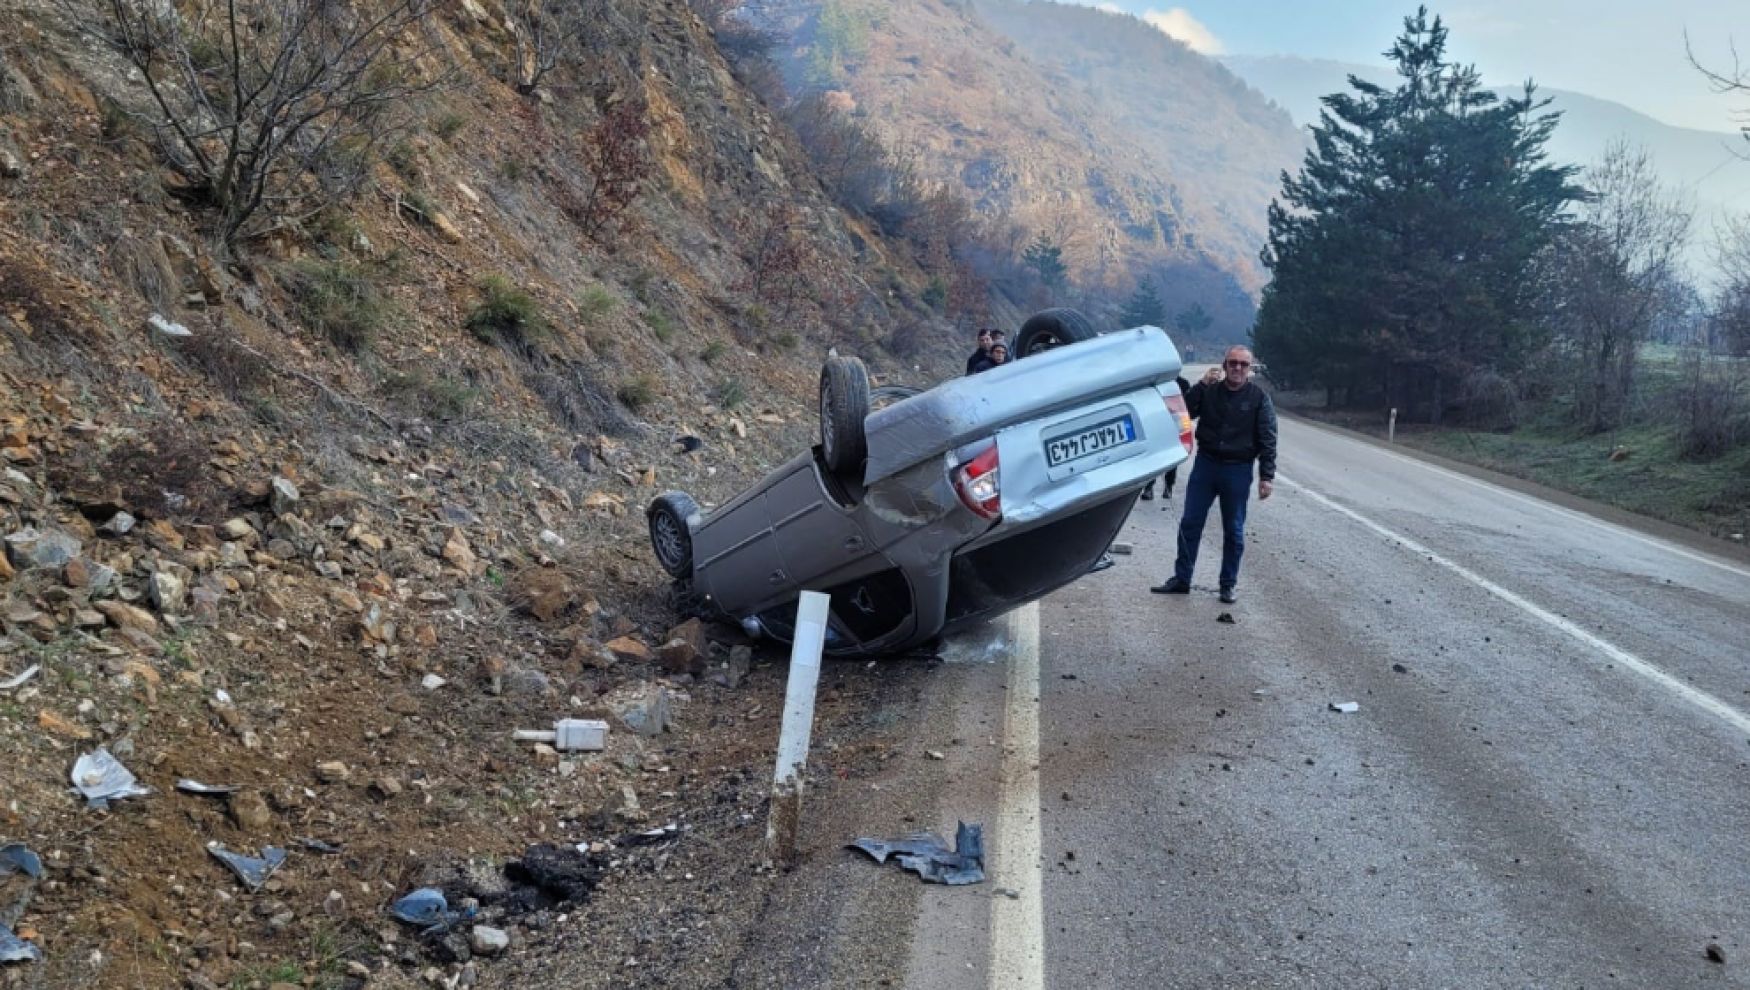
1046, 260
1404, 255
1193, 321
1144, 308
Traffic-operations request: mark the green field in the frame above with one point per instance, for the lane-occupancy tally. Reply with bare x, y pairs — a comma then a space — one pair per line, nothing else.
1648, 477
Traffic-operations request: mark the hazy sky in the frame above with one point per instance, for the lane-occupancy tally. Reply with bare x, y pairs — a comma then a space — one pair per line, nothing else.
1630, 51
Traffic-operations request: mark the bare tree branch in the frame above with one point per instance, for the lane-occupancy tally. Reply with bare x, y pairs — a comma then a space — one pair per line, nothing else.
253, 96
547, 34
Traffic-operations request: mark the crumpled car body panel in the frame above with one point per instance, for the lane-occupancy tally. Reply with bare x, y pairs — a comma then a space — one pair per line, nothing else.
902, 555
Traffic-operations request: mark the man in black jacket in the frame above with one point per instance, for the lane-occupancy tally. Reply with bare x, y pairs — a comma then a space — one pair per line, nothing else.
1236, 425
981, 355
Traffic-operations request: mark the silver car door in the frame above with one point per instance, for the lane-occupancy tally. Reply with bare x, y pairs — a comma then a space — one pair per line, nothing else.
818, 538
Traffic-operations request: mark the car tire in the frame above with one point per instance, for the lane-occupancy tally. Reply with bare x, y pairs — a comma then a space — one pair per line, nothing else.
844, 405
671, 536
1051, 328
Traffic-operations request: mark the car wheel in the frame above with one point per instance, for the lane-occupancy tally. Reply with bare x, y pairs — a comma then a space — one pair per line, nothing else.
670, 535
1050, 328
844, 404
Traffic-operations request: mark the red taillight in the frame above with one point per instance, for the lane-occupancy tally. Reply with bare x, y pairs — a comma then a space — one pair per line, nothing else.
1182, 416
978, 482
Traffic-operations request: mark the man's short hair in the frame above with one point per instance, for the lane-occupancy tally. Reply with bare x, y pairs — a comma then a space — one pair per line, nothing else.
984, 332
996, 335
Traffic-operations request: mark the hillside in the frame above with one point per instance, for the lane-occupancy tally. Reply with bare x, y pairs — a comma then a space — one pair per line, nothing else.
1133, 153
318, 507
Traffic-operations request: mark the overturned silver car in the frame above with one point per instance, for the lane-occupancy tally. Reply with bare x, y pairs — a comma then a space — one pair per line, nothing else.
948, 505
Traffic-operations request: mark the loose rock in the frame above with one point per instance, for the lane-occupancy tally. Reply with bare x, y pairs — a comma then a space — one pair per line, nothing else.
487, 941
249, 810
283, 496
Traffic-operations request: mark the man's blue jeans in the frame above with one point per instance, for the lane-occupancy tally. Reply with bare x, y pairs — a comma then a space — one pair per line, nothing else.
1211, 480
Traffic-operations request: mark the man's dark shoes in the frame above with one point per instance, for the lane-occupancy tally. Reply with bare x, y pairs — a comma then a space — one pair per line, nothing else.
1228, 597
1174, 586
1148, 494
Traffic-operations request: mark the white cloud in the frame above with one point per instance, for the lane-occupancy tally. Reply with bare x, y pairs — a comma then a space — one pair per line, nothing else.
1174, 22
1177, 23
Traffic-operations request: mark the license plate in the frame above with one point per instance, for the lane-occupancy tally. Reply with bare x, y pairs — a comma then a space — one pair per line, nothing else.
1089, 441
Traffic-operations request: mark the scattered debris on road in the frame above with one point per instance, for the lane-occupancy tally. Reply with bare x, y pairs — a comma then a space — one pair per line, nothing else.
1398, 668
930, 858
569, 734
15, 857
1715, 954
426, 907
1227, 618
935, 754
187, 786
22, 676
102, 779
15, 949
1122, 549
253, 871
1345, 707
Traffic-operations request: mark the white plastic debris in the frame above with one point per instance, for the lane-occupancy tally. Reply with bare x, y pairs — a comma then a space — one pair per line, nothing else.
168, 328
431, 682
569, 734
1346, 707
102, 779
24, 675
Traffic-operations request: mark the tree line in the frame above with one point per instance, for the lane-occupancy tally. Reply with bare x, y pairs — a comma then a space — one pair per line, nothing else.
1430, 256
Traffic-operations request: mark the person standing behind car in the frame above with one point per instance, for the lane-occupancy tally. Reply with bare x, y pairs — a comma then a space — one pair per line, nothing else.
999, 355
981, 354
1236, 425
1172, 476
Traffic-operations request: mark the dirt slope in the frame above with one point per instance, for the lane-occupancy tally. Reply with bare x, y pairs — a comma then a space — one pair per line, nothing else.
332, 544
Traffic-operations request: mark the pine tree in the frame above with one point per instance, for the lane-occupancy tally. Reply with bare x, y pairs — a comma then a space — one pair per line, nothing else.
1193, 320
1144, 308
1046, 260
1404, 254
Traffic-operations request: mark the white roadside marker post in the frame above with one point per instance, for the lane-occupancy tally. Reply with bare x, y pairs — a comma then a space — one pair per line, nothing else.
1391, 429
784, 823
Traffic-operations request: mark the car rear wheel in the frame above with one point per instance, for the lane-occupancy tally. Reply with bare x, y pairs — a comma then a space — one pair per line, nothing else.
844, 405
1051, 328
670, 535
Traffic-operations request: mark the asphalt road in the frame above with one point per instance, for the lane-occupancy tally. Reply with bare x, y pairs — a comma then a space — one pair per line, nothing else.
1547, 782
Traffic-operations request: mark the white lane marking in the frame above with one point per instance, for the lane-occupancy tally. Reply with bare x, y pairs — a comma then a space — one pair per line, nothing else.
1570, 514
1700, 699
1017, 937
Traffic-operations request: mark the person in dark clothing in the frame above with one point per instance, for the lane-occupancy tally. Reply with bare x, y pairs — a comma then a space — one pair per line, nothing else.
1172, 476
981, 354
999, 355
1236, 425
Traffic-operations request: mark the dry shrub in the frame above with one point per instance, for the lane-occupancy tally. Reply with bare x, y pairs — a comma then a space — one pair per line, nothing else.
1713, 401
163, 473
142, 264
226, 364
35, 292
1489, 400
577, 397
